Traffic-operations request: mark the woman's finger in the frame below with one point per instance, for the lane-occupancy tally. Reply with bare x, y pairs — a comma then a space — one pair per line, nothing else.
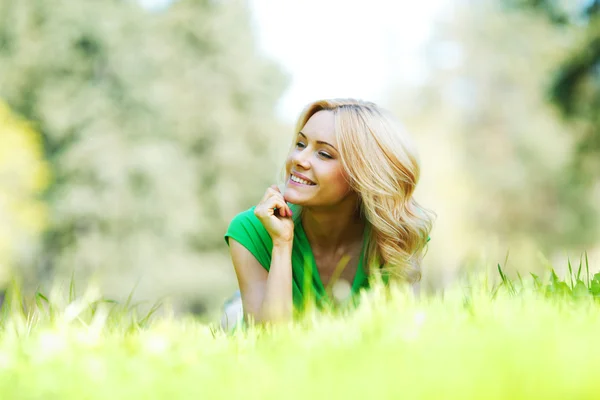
288, 210
276, 202
276, 195
281, 208
268, 193
265, 207
273, 199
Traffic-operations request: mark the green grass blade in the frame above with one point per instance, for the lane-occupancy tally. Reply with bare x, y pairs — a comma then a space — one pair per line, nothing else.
128, 303
507, 282
144, 321
72, 293
520, 278
570, 271
537, 282
579, 269
587, 269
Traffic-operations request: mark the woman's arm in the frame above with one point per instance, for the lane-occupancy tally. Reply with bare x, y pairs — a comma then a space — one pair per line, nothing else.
266, 296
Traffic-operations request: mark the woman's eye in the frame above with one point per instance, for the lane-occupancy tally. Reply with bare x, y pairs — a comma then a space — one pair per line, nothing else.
301, 145
325, 155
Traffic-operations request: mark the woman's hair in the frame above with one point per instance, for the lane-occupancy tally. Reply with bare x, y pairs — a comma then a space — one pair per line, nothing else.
381, 164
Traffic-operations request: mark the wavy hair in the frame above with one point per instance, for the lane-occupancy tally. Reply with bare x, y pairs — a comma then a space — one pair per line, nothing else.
382, 167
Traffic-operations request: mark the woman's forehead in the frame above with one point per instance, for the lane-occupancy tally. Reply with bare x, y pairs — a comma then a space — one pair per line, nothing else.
321, 127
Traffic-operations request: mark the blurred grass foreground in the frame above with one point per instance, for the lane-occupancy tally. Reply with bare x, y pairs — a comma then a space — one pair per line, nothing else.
520, 339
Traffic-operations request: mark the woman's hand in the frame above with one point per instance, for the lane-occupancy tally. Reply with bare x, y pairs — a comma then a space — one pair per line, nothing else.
276, 216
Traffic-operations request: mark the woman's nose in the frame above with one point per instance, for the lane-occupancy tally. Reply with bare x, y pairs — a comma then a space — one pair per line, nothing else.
301, 159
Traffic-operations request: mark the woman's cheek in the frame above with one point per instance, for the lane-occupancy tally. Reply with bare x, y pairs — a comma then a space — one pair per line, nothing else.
338, 183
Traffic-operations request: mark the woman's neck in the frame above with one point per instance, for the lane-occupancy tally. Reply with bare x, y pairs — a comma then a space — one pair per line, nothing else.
333, 228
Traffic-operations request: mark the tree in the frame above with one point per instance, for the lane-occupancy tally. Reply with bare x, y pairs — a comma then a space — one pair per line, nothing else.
23, 177
157, 125
508, 151
575, 84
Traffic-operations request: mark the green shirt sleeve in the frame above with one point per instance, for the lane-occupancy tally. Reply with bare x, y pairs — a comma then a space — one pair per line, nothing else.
246, 229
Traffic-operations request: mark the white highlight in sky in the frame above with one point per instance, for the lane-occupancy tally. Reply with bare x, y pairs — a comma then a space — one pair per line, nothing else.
343, 48
155, 5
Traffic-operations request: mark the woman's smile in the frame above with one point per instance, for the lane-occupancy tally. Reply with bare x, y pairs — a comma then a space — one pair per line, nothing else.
300, 180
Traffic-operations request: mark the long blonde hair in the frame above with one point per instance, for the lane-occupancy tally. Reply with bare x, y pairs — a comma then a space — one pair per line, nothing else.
381, 164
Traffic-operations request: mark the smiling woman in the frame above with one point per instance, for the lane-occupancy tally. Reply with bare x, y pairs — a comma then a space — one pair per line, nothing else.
345, 212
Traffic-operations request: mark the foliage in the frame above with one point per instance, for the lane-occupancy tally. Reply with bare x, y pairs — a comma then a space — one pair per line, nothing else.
483, 106
23, 176
574, 286
575, 84
151, 121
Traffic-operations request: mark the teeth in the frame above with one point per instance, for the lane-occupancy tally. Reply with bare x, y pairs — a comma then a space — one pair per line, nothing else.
300, 180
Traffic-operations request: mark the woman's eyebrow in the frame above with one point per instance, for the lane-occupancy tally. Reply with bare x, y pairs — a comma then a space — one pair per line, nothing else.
319, 141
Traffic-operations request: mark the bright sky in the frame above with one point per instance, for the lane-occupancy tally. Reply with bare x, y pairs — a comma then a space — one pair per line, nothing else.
343, 48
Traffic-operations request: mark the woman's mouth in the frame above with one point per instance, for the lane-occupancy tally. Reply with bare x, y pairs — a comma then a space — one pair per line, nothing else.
300, 181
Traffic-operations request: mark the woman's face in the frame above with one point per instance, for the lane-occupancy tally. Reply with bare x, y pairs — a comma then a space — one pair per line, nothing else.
315, 176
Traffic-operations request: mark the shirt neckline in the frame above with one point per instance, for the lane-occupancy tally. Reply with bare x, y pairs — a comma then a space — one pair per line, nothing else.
359, 276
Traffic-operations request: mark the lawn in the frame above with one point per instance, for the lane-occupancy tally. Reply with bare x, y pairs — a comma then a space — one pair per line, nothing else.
518, 340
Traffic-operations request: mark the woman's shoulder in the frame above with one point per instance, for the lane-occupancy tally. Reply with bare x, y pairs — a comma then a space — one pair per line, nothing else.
247, 215
246, 229
245, 223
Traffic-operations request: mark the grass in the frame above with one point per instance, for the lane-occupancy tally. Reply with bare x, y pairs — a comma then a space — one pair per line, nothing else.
524, 338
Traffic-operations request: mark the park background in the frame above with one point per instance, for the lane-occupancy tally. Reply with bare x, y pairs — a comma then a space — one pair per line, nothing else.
131, 132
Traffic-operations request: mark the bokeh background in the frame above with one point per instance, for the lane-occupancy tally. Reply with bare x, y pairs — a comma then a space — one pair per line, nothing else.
131, 132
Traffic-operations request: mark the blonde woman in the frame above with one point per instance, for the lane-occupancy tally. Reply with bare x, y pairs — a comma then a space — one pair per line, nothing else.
345, 210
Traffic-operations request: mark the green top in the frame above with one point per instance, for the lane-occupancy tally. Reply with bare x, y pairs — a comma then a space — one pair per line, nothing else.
247, 229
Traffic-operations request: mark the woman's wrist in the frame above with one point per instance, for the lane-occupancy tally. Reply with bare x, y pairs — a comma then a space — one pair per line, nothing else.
283, 243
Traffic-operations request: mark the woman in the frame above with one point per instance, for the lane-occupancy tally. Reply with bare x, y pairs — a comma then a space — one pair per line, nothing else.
345, 210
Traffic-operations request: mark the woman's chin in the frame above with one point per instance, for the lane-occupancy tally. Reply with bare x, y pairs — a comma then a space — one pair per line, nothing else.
291, 196
293, 200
